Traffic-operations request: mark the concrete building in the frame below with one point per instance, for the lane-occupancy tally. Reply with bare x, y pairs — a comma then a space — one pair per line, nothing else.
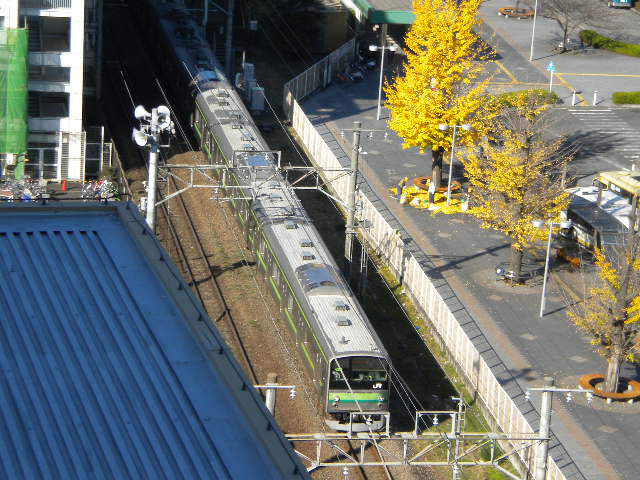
64, 68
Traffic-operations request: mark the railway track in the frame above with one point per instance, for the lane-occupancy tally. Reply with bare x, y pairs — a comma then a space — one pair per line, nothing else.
179, 232
193, 258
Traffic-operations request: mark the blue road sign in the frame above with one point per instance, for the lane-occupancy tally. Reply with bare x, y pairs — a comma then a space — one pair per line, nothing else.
551, 67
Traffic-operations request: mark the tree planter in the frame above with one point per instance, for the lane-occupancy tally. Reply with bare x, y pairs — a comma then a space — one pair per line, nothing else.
590, 382
423, 183
512, 12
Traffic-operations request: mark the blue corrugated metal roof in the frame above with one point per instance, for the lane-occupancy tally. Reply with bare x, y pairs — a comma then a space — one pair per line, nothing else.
109, 366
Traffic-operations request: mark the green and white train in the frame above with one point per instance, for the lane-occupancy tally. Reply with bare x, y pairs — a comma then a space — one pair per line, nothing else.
336, 342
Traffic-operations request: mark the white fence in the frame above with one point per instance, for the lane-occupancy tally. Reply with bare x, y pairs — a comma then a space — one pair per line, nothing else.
318, 75
474, 358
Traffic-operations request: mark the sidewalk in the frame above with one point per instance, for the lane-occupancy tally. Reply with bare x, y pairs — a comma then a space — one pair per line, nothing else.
601, 439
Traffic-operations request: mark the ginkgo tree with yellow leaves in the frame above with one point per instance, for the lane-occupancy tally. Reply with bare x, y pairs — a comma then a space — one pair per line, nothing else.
517, 177
610, 314
444, 80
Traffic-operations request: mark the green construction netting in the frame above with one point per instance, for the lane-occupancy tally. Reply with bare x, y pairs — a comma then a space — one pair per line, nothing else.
13, 90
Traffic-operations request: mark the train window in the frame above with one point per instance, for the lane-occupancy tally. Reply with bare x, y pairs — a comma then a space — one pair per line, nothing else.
290, 301
360, 372
339, 371
212, 146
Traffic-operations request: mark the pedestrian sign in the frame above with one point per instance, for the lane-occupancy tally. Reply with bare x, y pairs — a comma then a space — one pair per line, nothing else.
551, 67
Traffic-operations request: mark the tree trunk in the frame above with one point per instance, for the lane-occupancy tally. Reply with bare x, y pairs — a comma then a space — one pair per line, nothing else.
613, 372
436, 166
516, 263
565, 38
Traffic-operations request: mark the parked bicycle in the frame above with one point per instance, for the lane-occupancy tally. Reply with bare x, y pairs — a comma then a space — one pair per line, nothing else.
102, 189
24, 189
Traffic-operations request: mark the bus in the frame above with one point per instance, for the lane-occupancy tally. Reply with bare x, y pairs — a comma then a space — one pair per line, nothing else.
623, 183
599, 217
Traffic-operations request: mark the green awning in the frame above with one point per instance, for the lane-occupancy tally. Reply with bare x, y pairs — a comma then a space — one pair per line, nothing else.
386, 11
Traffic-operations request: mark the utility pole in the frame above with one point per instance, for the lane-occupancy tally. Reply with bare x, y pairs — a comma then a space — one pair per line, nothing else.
351, 199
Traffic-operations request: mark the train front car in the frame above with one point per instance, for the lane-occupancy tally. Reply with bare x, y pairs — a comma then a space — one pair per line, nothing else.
356, 386
358, 393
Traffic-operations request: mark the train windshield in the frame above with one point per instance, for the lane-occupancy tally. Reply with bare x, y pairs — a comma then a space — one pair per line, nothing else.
361, 373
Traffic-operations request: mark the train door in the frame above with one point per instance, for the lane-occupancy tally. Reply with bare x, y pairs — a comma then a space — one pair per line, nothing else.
261, 256
251, 229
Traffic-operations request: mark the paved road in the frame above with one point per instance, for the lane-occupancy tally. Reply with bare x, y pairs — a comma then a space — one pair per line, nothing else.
585, 73
601, 440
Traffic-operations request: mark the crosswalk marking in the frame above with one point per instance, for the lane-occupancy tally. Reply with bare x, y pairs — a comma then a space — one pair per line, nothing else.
620, 139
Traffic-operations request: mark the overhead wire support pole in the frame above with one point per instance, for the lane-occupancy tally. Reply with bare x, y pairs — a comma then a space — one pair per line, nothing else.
228, 60
350, 227
545, 420
542, 449
351, 198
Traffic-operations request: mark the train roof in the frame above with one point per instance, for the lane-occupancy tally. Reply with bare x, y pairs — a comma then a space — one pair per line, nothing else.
337, 312
275, 203
111, 368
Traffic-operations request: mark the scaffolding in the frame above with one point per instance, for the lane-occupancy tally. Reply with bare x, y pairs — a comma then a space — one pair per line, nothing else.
13, 91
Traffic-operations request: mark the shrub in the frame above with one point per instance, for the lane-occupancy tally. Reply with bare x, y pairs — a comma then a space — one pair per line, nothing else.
540, 95
621, 98
595, 40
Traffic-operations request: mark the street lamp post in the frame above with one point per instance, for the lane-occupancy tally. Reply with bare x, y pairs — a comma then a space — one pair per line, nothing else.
540, 224
533, 30
382, 48
445, 127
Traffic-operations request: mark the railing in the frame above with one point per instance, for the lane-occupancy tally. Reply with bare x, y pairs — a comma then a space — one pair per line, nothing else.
46, 4
318, 75
470, 352
121, 177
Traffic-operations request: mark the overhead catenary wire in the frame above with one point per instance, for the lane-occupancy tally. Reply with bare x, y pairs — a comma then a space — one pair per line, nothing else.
267, 310
293, 198
277, 51
293, 143
292, 365
276, 10
286, 39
